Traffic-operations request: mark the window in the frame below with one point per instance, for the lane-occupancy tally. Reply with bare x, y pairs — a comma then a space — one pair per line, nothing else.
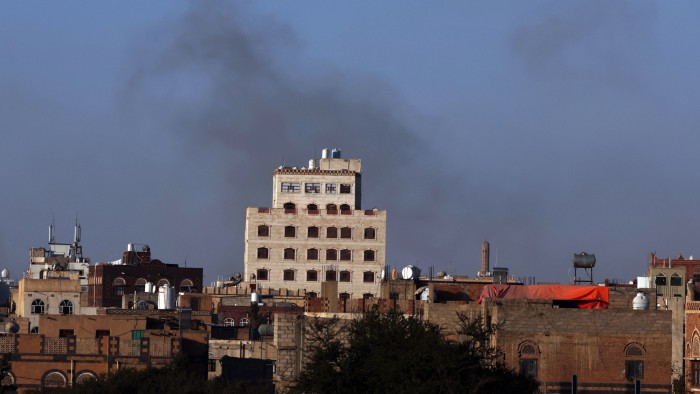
695, 367
186, 285
290, 187
312, 187
346, 232
65, 333
311, 294
331, 188
263, 231
345, 189
344, 296
331, 209
312, 276
369, 255
140, 285
528, 353
330, 276
331, 232
312, 208
367, 296
211, 365
695, 346
331, 254
38, 307
290, 207
528, 367
163, 282
194, 304
262, 274
344, 276
290, 231
370, 233
65, 307
676, 280
345, 255
118, 285
368, 277
661, 280
244, 322
228, 322
289, 275
312, 254
313, 232
634, 369
101, 333
634, 363
289, 253
345, 209
54, 379
263, 253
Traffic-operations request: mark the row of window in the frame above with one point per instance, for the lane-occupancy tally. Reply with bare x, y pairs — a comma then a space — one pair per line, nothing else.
39, 307
315, 188
263, 253
313, 275
314, 231
331, 209
676, 280
528, 353
140, 285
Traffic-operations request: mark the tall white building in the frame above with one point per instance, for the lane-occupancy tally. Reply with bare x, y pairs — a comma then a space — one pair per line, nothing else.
316, 231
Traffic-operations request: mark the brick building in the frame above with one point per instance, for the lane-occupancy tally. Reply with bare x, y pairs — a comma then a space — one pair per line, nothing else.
108, 283
316, 231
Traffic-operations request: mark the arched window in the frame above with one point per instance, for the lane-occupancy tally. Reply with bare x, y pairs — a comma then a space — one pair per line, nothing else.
345, 255
186, 285
263, 230
34, 330
140, 285
289, 206
331, 232
331, 254
54, 379
369, 255
262, 274
163, 282
344, 276
85, 376
346, 232
38, 307
65, 307
312, 208
244, 321
331, 209
367, 296
676, 280
312, 232
228, 322
344, 296
118, 286
289, 253
634, 361
661, 280
345, 209
370, 233
529, 354
290, 231
311, 294
8, 380
312, 254
695, 347
263, 253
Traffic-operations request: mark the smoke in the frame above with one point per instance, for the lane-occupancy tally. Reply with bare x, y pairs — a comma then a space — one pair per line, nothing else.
232, 101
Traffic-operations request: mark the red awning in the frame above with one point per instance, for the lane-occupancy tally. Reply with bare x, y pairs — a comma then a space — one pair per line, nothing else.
580, 296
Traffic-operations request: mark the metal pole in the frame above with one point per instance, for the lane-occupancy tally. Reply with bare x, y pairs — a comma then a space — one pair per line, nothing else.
574, 380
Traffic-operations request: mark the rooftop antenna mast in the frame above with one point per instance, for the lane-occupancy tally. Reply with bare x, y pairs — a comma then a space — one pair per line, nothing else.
76, 238
52, 232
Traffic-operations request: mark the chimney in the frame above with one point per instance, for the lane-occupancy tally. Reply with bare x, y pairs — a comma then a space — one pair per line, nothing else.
484, 259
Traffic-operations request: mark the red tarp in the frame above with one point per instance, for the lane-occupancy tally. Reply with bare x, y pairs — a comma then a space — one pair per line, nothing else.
579, 296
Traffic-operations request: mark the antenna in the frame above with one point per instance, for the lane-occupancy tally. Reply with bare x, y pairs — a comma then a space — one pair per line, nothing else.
52, 232
76, 232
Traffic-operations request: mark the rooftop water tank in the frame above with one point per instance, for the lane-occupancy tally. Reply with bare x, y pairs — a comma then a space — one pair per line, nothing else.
335, 153
410, 272
584, 260
254, 298
324, 153
640, 302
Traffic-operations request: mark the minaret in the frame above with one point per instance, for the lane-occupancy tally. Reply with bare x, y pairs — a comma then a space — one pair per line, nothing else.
484, 259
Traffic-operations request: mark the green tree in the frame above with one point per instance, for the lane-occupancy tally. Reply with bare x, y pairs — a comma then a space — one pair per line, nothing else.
389, 352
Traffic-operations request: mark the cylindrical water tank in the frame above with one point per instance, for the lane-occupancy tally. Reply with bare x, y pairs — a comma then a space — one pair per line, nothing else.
640, 302
312, 164
161, 297
166, 297
410, 272
129, 247
324, 153
254, 298
335, 153
148, 288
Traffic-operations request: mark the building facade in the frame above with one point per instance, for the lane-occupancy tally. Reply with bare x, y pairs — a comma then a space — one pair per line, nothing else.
316, 231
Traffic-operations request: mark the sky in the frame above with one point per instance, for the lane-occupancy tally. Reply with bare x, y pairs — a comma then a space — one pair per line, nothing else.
547, 128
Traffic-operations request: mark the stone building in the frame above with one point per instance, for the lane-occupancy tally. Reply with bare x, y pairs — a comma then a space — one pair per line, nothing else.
316, 231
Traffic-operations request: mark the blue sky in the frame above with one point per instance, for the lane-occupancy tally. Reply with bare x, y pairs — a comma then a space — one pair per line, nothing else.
544, 127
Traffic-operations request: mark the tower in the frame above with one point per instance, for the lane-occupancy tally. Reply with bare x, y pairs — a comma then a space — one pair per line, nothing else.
484, 259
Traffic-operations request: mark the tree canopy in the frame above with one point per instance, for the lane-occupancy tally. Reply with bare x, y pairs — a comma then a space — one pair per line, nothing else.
391, 352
